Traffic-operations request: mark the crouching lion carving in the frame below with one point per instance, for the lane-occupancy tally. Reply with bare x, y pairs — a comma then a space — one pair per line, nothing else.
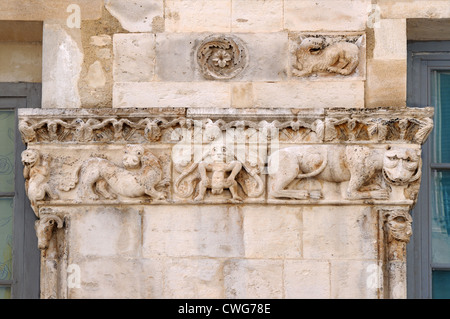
358, 165
36, 172
140, 175
312, 56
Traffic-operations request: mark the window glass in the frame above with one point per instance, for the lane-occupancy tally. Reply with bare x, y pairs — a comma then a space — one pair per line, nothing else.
441, 284
6, 230
440, 220
7, 129
440, 98
5, 292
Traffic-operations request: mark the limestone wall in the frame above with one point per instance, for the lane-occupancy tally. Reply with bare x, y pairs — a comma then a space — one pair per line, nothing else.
136, 56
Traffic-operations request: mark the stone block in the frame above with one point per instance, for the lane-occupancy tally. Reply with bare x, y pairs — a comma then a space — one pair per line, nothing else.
213, 231
107, 278
105, 231
171, 94
26, 10
61, 64
390, 40
257, 16
325, 15
386, 83
272, 232
253, 278
309, 94
152, 279
306, 279
330, 232
134, 57
197, 16
138, 15
355, 279
176, 58
430, 9
193, 278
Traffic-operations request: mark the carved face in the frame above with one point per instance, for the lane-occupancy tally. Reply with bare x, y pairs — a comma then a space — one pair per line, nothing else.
399, 224
401, 166
218, 153
312, 45
30, 157
132, 156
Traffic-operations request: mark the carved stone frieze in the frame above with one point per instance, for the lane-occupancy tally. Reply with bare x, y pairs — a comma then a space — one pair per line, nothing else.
304, 156
325, 55
221, 57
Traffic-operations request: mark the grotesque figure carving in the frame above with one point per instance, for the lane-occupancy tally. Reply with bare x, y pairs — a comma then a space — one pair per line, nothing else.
222, 175
312, 57
358, 165
399, 225
37, 175
401, 166
45, 228
140, 175
219, 168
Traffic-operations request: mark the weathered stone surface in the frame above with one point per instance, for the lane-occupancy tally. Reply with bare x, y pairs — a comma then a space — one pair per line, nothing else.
171, 94
134, 57
334, 233
355, 279
138, 16
308, 279
390, 40
197, 16
193, 278
311, 94
253, 278
430, 9
257, 16
273, 232
386, 83
62, 60
325, 15
193, 231
119, 278
50, 10
107, 232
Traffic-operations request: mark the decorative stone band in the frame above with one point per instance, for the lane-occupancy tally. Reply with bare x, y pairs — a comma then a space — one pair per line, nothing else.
214, 156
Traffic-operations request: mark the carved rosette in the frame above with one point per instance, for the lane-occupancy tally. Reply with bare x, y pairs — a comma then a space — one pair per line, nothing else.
221, 57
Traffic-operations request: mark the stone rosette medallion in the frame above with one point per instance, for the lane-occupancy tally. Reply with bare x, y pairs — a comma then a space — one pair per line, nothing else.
221, 57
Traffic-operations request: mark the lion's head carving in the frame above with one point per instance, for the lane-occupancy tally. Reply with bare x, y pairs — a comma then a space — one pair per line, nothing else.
30, 157
132, 156
401, 166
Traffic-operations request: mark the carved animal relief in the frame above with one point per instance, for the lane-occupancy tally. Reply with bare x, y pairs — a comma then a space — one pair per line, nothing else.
332, 155
362, 167
141, 174
221, 57
326, 55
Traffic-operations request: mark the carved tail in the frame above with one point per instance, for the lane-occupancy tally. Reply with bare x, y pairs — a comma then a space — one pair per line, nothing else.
71, 182
190, 189
320, 169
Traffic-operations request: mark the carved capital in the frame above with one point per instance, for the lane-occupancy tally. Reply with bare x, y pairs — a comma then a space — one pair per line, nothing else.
327, 156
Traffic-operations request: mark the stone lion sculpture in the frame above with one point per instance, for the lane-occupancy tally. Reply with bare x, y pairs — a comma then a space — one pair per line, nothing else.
312, 56
358, 165
37, 174
140, 175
